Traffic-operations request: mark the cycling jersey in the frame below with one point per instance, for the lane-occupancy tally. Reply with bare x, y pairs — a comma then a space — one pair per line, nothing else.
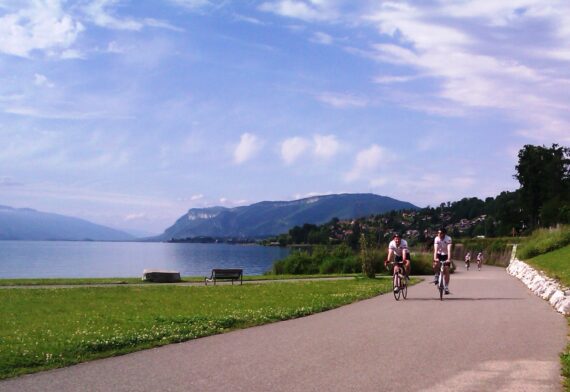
441, 244
398, 250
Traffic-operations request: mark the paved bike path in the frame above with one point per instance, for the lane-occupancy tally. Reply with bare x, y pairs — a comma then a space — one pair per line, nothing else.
491, 333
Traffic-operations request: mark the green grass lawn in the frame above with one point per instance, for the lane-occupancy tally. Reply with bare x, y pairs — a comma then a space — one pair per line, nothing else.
48, 328
555, 264
127, 281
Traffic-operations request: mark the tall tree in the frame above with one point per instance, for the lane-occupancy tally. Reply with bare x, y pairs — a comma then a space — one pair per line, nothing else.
544, 176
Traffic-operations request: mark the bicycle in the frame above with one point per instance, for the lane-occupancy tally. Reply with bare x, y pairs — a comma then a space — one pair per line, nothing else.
441, 278
399, 281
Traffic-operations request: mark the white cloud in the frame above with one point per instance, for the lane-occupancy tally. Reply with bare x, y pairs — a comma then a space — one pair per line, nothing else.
135, 216
326, 146
476, 58
293, 148
311, 10
368, 162
71, 54
191, 4
42, 81
100, 13
342, 101
43, 26
196, 197
248, 146
321, 38
248, 19
394, 79
114, 47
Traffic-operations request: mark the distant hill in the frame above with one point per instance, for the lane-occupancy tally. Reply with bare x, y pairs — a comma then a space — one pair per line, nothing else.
28, 224
270, 218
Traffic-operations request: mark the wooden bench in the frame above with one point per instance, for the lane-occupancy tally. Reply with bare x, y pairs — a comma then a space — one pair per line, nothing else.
232, 274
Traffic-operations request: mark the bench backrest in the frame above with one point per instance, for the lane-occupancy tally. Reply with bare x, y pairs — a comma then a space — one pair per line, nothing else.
226, 273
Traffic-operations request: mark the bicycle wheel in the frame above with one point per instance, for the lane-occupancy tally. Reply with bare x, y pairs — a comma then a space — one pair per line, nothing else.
440, 287
404, 288
396, 285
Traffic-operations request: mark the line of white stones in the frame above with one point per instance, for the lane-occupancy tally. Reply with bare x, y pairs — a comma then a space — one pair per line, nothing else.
541, 285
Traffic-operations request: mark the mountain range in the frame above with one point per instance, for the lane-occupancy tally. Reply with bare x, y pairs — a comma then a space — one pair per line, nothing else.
28, 224
269, 218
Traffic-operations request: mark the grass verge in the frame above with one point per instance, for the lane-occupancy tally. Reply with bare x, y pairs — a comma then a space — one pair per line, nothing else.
565, 359
48, 328
131, 281
138, 281
555, 264
543, 241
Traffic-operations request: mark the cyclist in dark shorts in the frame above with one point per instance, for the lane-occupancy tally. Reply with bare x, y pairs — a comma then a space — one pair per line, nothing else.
398, 248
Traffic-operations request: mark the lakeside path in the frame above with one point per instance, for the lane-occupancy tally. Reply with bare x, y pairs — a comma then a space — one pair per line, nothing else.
490, 334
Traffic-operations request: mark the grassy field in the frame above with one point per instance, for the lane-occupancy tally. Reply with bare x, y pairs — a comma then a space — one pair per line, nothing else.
543, 241
555, 264
131, 281
48, 328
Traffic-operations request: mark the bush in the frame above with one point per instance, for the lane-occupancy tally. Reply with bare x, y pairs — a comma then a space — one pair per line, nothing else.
422, 264
297, 263
543, 241
327, 260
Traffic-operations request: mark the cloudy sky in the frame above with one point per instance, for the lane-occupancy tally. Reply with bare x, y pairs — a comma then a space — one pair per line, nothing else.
128, 113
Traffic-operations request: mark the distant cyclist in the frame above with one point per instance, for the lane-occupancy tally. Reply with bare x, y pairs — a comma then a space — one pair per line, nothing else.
467, 260
479, 260
442, 254
399, 249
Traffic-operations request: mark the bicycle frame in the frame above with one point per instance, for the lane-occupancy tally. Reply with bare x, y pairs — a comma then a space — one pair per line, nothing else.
441, 278
399, 280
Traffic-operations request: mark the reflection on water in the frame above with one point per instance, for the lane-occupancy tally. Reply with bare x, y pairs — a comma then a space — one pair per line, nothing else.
51, 259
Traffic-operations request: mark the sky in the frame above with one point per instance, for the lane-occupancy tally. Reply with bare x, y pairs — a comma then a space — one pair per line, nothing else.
128, 113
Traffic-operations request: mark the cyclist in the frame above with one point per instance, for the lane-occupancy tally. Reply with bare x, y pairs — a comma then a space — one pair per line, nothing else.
442, 254
399, 249
467, 260
479, 260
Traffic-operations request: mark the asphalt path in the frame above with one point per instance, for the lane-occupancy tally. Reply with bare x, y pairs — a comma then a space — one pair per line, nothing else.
490, 334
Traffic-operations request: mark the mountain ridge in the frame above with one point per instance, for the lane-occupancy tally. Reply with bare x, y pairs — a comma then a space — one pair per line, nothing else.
268, 218
27, 224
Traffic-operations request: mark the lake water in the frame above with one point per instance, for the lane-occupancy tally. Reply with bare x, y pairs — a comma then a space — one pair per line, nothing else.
61, 259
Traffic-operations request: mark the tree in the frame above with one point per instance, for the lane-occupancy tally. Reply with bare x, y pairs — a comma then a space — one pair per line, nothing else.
366, 257
544, 175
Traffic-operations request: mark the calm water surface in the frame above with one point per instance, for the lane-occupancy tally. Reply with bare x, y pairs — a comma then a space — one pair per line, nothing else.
61, 259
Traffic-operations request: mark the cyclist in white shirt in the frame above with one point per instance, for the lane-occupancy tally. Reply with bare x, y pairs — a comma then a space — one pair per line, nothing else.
399, 249
442, 254
479, 260
467, 260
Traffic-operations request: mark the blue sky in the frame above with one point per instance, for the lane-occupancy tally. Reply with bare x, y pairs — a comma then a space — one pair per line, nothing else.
128, 113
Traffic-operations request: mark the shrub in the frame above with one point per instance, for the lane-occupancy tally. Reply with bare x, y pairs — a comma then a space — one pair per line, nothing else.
422, 264
328, 260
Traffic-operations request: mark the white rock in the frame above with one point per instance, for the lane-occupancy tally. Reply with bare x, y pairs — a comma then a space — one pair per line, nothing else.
541, 285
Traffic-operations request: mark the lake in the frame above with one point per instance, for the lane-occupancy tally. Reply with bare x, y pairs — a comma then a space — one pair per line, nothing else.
64, 259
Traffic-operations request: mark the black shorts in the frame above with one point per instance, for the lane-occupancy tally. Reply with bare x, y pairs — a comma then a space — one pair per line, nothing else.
441, 257
399, 258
